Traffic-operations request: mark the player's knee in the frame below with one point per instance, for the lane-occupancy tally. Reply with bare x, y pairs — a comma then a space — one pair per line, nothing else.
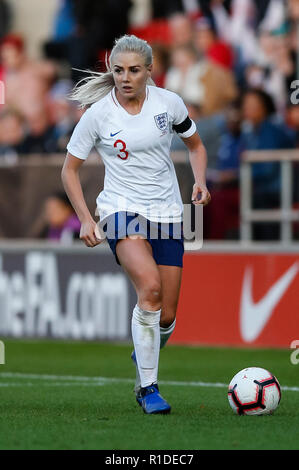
152, 294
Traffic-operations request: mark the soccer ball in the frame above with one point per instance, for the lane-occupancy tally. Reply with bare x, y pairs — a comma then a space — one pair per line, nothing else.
254, 391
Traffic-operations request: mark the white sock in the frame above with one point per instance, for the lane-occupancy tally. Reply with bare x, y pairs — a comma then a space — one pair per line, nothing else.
146, 339
165, 334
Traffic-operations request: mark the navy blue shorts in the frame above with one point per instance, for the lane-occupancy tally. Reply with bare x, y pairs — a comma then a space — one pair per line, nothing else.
166, 240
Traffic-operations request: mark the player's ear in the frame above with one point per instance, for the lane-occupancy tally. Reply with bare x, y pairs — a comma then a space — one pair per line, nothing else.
149, 69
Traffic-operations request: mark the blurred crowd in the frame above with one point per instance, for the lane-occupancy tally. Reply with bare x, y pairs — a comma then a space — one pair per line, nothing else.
234, 62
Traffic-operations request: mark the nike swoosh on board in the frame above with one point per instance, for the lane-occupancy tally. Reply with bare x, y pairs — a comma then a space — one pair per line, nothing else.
255, 315
112, 135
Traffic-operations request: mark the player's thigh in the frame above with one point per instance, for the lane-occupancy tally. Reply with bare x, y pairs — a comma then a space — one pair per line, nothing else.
136, 258
171, 277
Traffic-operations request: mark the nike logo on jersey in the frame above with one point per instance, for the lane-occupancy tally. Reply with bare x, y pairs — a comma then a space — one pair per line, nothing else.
255, 315
112, 135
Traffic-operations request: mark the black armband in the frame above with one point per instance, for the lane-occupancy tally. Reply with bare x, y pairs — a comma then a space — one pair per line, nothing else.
183, 126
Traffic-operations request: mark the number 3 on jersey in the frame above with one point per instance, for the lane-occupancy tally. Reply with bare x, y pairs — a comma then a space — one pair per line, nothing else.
122, 148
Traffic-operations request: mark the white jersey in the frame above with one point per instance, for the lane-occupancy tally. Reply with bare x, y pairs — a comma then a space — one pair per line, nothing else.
139, 173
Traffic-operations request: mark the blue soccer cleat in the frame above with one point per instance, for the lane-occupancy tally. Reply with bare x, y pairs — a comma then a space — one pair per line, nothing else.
152, 402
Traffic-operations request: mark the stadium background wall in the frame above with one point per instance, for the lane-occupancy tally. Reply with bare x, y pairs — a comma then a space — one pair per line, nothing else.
230, 296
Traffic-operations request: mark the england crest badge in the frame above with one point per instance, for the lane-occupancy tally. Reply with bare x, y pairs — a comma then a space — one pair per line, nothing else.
161, 121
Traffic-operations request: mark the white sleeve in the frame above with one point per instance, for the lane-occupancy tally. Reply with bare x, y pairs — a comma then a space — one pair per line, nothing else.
182, 124
84, 136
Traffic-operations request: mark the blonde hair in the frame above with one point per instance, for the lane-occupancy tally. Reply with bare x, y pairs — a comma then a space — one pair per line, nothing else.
91, 89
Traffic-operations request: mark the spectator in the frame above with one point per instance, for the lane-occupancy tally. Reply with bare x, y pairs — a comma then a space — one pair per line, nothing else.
205, 83
60, 221
293, 9
160, 64
62, 114
64, 23
64, 28
237, 27
26, 82
230, 147
292, 121
209, 46
12, 134
97, 26
181, 29
262, 132
270, 14
222, 219
285, 61
183, 76
41, 138
274, 69
219, 86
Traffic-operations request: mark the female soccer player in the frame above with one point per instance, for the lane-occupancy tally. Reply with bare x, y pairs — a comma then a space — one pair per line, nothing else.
131, 123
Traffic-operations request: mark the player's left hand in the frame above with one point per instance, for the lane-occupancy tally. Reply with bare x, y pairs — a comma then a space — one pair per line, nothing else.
200, 195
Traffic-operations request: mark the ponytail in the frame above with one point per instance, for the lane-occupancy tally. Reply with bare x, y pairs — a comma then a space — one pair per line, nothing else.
91, 89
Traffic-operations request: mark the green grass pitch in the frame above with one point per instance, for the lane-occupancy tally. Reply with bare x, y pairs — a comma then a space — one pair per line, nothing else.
79, 395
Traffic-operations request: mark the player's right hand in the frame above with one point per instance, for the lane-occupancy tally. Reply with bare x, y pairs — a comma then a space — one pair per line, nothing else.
90, 234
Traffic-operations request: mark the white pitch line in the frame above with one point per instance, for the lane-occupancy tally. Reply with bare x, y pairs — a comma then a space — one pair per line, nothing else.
75, 378
51, 384
8, 384
99, 381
